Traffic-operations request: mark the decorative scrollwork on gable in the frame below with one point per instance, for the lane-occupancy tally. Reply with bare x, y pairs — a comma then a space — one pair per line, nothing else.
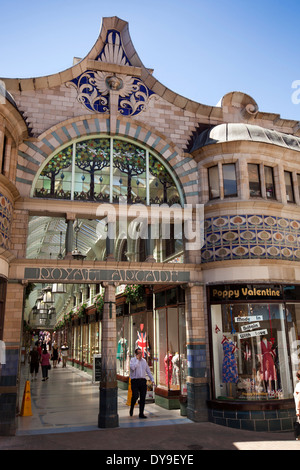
94, 87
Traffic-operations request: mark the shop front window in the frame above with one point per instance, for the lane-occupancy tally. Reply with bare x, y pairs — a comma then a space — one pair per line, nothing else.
250, 351
77, 343
142, 335
293, 331
94, 340
170, 344
123, 345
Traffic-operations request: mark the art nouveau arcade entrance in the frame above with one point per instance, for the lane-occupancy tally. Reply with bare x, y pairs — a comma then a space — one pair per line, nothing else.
112, 319
110, 306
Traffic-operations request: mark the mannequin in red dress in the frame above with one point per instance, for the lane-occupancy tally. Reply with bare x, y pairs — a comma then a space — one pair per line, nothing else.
168, 367
268, 366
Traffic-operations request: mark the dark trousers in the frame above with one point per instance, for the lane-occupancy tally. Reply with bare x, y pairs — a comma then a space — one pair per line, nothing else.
45, 372
139, 388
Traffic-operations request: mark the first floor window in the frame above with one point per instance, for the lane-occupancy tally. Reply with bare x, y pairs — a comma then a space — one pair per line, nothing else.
254, 180
213, 181
289, 186
229, 180
269, 182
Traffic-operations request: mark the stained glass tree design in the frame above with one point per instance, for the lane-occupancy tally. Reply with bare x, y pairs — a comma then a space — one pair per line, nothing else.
130, 160
59, 162
92, 155
159, 171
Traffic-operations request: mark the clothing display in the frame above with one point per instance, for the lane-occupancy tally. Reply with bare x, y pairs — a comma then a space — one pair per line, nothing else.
122, 349
229, 368
168, 368
141, 343
176, 364
268, 355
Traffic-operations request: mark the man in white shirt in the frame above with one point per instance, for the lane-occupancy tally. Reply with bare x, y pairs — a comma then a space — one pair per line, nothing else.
138, 370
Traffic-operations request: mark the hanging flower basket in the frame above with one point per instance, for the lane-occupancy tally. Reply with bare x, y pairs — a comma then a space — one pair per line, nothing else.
80, 311
99, 303
134, 294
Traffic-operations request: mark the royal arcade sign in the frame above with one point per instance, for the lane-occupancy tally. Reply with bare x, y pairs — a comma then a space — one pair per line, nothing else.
94, 275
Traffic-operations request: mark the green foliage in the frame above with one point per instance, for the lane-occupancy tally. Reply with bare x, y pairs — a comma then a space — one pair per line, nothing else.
99, 303
134, 294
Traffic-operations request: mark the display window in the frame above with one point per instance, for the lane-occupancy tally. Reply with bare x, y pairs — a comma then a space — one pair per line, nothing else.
142, 335
85, 344
255, 346
77, 343
94, 340
123, 345
170, 364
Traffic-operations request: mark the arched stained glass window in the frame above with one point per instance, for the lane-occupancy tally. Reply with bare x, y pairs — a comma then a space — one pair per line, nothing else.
104, 170
55, 178
92, 162
129, 163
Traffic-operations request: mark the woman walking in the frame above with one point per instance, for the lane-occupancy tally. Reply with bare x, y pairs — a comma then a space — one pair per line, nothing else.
45, 363
54, 354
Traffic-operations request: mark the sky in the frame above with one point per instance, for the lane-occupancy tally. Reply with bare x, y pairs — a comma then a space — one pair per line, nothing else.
200, 49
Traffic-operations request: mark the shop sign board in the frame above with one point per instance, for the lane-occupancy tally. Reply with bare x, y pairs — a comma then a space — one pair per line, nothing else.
91, 275
251, 334
97, 368
245, 292
251, 326
248, 319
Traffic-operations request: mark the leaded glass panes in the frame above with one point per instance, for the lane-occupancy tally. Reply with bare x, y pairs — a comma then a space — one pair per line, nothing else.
162, 188
55, 178
92, 160
129, 181
105, 170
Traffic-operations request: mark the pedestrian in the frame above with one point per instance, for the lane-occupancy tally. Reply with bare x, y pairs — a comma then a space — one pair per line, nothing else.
34, 362
39, 349
64, 353
138, 370
45, 363
297, 406
54, 354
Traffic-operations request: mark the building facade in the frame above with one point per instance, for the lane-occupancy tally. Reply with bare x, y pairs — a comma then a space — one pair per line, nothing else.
156, 221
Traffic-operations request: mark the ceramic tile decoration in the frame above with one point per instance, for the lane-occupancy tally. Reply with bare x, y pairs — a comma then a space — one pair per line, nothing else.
256, 236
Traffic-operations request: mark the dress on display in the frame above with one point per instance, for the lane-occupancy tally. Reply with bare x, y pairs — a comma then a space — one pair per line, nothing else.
268, 366
168, 368
229, 368
122, 349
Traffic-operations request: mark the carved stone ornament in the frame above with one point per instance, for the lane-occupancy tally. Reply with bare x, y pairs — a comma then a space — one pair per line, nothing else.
94, 87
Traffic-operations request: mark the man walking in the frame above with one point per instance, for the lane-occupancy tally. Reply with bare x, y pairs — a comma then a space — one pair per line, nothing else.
138, 370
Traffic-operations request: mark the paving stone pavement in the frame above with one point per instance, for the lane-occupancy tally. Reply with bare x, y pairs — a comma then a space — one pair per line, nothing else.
65, 415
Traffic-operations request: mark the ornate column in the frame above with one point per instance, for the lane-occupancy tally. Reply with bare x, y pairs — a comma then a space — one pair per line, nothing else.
70, 218
150, 246
110, 241
12, 333
108, 407
197, 380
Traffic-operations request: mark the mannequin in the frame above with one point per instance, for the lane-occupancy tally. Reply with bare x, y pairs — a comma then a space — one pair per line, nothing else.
176, 363
121, 353
168, 367
229, 367
268, 366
